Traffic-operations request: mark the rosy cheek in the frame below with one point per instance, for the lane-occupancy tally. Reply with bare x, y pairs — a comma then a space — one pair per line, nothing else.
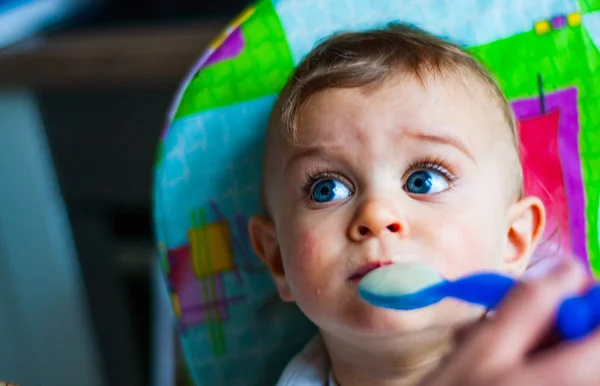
305, 268
307, 242
301, 253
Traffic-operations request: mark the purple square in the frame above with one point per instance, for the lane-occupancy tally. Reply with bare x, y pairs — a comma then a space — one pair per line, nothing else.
558, 22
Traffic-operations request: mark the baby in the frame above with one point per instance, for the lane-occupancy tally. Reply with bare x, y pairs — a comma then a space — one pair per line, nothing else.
388, 146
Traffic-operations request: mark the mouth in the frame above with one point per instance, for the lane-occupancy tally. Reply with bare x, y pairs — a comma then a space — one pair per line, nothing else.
365, 269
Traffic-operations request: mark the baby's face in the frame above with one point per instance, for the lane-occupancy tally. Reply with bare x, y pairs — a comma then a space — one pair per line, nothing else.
396, 173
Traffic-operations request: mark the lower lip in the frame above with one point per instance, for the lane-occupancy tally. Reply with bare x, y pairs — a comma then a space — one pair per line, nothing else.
371, 267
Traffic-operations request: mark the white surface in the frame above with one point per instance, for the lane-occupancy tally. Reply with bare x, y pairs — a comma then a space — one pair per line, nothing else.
45, 334
163, 332
31, 16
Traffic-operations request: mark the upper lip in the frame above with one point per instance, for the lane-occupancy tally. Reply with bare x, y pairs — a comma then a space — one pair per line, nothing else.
365, 269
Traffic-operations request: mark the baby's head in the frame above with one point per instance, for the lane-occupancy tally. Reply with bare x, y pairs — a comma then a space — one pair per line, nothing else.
390, 146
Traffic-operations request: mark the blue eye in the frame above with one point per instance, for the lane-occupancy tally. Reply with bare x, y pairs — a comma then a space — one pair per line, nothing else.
330, 190
426, 182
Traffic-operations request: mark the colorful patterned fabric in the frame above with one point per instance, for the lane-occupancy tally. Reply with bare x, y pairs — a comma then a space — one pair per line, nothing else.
546, 56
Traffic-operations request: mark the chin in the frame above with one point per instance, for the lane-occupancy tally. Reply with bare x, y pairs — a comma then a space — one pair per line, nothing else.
383, 322
375, 322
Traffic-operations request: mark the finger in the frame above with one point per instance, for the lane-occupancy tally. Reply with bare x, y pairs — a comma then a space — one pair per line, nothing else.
491, 345
549, 340
527, 314
572, 363
458, 363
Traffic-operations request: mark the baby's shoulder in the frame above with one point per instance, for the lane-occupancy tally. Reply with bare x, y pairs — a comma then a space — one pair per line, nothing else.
310, 367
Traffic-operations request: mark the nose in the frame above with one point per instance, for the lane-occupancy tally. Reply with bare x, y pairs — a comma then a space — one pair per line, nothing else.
374, 218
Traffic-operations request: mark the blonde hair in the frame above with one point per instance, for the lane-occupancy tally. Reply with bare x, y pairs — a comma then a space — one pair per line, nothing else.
359, 59
368, 58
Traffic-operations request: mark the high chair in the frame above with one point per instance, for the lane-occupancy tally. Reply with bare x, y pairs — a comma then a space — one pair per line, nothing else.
546, 57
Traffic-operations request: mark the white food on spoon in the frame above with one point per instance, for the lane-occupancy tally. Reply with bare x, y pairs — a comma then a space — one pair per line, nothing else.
400, 279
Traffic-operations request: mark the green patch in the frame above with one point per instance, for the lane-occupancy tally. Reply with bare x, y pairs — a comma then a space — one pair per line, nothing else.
261, 69
588, 6
160, 154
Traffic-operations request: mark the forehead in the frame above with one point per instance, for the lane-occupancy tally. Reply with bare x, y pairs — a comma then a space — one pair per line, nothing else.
439, 106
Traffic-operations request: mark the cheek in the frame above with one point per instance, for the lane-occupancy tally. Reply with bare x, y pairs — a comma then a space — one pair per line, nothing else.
307, 259
299, 254
466, 245
312, 243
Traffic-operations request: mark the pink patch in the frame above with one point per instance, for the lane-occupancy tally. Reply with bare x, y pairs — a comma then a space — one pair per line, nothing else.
199, 299
552, 167
543, 171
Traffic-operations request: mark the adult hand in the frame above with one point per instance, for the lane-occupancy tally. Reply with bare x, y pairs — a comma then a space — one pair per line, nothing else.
515, 346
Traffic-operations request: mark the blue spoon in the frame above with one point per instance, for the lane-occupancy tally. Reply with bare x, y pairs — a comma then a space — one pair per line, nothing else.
579, 315
413, 286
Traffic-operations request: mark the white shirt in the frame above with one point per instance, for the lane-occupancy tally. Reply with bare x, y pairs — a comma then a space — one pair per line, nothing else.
311, 367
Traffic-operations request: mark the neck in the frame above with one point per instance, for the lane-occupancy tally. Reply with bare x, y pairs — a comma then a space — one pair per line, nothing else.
398, 361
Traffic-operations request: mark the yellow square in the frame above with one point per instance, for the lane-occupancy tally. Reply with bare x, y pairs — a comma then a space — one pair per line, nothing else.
210, 249
574, 19
542, 27
176, 306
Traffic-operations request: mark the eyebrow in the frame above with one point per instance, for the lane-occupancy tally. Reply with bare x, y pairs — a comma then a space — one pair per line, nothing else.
328, 152
444, 140
310, 151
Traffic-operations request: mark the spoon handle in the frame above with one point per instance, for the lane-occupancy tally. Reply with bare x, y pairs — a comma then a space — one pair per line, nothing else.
484, 289
577, 316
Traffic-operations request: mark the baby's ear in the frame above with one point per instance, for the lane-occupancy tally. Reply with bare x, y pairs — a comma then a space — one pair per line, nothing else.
527, 219
266, 246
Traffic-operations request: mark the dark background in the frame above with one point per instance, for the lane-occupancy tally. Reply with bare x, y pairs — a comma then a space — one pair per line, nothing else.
111, 12
103, 142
